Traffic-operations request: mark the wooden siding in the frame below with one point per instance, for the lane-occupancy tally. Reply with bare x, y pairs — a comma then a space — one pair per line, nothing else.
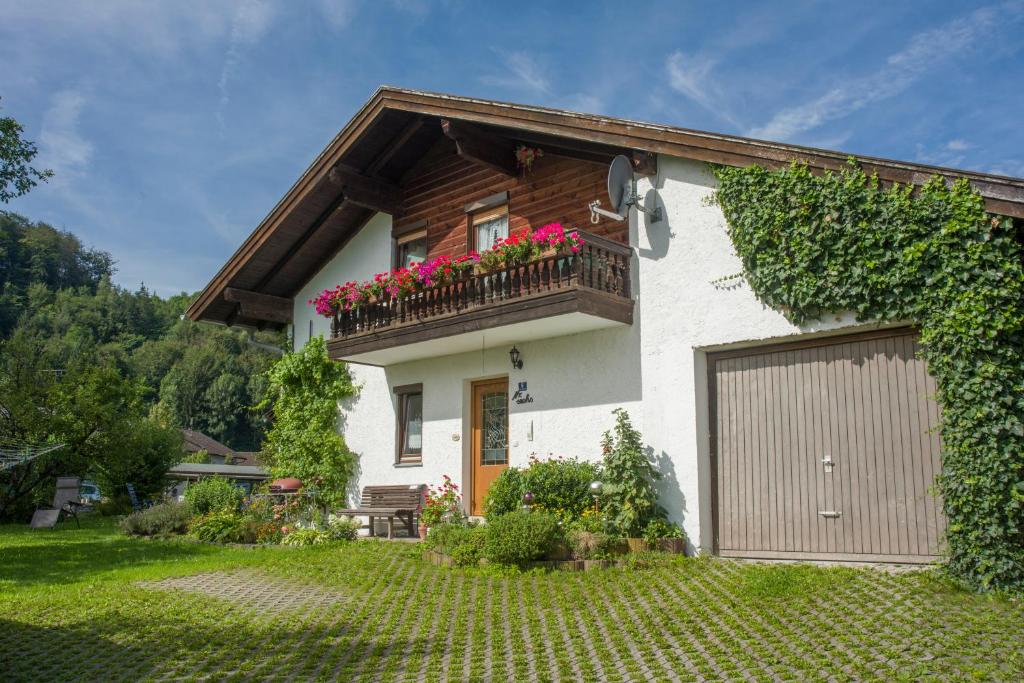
865, 402
558, 189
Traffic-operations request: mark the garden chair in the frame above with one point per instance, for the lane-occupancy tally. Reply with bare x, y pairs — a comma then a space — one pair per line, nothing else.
65, 504
134, 498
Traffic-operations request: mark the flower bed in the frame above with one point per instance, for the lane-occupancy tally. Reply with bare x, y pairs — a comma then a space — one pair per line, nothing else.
516, 249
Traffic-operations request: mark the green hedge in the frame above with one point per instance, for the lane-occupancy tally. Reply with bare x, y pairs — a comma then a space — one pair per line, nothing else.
814, 245
559, 486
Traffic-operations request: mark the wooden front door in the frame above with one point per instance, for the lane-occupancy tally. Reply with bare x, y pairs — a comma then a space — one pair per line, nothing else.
489, 450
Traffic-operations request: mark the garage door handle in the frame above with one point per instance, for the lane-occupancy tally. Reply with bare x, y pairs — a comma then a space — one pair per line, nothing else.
830, 513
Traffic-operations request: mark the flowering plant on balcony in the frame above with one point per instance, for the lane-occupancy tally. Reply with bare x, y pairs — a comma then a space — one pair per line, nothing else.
516, 249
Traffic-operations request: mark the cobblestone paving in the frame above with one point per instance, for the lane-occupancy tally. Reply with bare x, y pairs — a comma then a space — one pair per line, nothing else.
374, 611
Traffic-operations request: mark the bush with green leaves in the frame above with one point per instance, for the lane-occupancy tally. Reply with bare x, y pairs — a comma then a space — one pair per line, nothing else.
521, 536
163, 519
223, 526
661, 528
629, 498
342, 528
812, 245
595, 545
303, 390
213, 494
464, 543
306, 537
560, 486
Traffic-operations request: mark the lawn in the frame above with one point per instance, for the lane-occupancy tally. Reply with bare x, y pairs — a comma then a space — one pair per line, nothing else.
91, 604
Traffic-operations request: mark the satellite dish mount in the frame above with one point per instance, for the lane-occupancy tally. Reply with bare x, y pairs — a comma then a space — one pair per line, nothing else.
622, 193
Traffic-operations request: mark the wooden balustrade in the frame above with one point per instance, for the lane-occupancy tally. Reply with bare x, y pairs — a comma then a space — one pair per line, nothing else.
601, 265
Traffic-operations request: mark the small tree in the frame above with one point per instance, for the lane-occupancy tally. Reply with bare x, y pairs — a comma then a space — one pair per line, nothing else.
629, 496
17, 175
303, 390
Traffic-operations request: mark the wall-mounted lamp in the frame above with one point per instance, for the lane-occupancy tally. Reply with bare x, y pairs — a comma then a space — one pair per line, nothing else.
517, 362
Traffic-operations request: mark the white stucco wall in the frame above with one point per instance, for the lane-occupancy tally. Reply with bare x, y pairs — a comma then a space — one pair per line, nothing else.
655, 368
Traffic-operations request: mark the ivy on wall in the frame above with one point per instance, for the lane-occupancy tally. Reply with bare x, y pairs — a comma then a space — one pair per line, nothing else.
818, 244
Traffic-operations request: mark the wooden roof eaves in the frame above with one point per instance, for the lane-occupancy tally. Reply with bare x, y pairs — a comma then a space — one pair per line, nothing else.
1003, 194
316, 171
699, 145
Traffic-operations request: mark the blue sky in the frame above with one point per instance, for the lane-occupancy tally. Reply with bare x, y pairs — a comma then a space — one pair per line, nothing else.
173, 127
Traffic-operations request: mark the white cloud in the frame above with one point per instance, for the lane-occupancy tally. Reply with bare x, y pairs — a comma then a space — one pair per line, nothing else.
958, 145
337, 13
62, 147
523, 74
925, 52
688, 75
250, 23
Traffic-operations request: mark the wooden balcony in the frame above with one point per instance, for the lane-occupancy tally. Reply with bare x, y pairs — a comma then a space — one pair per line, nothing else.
554, 295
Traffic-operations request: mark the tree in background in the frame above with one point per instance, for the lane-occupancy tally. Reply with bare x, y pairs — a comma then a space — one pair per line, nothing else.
17, 175
303, 390
90, 408
112, 373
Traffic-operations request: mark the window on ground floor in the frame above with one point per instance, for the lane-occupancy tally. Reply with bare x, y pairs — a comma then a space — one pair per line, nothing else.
409, 432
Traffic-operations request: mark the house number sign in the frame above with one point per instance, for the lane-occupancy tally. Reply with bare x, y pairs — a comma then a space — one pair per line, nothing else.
522, 396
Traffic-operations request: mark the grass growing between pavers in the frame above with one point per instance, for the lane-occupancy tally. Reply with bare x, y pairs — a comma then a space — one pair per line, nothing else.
91, 604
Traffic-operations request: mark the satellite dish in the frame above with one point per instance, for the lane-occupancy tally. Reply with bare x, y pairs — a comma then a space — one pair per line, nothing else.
622, 192
620, 184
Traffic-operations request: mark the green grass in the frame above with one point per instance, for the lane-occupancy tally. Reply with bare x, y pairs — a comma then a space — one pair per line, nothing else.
81, 605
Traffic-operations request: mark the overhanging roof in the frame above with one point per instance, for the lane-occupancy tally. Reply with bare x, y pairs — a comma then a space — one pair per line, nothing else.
397, 126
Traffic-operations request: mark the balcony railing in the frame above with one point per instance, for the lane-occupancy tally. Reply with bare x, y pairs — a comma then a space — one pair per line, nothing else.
601, 266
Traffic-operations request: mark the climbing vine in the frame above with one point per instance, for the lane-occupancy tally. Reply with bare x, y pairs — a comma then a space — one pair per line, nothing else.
818, 244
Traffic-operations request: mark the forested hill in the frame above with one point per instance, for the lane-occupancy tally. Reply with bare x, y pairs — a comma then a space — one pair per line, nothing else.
57, 303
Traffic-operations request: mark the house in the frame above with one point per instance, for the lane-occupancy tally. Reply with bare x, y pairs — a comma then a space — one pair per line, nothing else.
775, 440
242, 467
196, 442
183, 474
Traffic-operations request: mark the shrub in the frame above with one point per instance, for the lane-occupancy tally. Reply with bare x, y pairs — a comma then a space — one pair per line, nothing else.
306, 537
470, 548
213, 494
343, 528
630, 499
661, 528
595, 545
521, 536
159, 520
560, 486
223, 526
463, 543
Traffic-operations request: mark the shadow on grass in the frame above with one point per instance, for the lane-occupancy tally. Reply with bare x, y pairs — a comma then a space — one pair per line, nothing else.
204, 642
32, 557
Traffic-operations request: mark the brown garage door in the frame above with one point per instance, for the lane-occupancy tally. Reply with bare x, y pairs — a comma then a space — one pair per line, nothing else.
826, 451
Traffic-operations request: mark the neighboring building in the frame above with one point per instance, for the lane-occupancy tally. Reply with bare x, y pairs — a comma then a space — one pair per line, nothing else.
196, 442
242, 467
244, 476
775, 440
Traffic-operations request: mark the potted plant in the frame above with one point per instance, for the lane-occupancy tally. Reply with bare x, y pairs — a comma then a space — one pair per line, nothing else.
439, 504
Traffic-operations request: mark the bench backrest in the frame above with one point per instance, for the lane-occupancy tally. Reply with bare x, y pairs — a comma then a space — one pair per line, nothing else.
395, 496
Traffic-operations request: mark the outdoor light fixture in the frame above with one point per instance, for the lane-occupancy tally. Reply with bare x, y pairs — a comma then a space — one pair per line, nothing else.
517, 362
527, 501
595, 491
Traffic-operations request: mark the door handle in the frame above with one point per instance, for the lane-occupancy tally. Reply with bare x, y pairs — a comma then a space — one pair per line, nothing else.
831, 514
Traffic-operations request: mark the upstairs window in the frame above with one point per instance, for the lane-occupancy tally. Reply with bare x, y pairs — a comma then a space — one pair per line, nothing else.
488, 226
411, 248
409, 431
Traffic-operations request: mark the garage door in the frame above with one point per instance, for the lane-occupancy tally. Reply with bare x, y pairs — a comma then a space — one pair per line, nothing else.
826, 451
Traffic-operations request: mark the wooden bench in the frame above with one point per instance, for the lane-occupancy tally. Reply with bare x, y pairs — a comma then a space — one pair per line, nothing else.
402, 501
